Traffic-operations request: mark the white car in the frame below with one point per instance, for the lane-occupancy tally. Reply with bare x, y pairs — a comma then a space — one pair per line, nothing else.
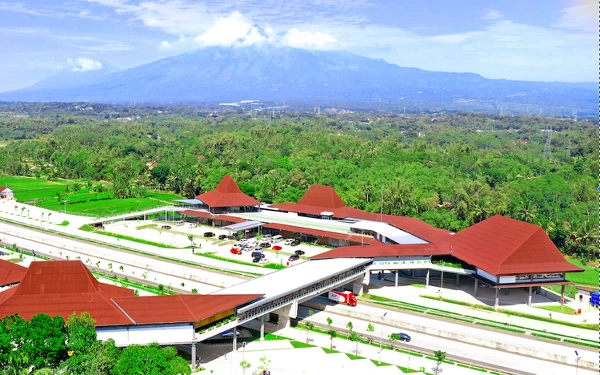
263, 261
180, 223
193, 225
288, 241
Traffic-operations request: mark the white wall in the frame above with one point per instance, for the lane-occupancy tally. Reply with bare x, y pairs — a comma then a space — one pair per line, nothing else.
488, 276
163, 334
508, 279
400, 263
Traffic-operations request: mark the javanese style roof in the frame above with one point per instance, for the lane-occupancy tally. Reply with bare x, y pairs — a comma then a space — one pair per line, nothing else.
227, 194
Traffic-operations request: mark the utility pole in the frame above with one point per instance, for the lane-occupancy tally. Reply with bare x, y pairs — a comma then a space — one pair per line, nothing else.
548, 145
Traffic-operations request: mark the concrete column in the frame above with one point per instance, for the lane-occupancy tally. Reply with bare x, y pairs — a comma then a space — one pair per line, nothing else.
507, 291
427, 278
193, 355
357, 287
412, 273
475, 288
396, 278
457, 279
497, 299
562, 295
234, 339
262, 328
529, 298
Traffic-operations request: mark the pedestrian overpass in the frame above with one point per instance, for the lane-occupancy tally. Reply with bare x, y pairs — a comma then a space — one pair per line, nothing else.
132, 215
283, 290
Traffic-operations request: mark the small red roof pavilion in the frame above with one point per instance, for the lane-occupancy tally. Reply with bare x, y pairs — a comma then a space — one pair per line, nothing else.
227, 194
11, 273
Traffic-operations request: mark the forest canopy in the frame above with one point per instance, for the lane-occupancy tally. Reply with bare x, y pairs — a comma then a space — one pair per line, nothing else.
450, 170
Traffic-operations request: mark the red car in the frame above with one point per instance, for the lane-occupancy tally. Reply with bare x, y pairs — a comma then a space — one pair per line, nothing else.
276, 248
235, 251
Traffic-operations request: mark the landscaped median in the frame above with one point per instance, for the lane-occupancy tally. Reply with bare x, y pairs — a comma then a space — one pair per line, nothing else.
373, 341
405, 306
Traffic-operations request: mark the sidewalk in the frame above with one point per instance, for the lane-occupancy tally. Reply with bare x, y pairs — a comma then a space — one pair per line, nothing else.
410, 294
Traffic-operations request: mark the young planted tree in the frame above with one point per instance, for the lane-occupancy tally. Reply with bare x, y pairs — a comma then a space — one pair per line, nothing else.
370, 330
355, 336
245, 365
440, 356
331, 332
350, 327
308, 325
393, 338
191, 239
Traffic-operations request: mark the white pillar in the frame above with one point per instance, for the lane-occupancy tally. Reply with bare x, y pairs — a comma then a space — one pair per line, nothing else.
475, 288
193, 355
427, 278
262, 328
457, 279
497, 298
396, 279
234, 339
529, 298
562, 295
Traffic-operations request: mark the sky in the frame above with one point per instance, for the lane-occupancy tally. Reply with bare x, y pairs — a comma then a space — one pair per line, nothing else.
534, 40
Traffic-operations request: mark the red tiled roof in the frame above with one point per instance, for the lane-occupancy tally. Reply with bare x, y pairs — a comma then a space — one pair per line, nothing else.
198, 213
382, 251
11, 273
323, 233
232, 219
227, 194
66, 287
503, 246
2, 188
322, 196
180, 308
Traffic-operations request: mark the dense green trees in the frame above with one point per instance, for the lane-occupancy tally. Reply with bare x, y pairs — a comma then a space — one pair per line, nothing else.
449, 170
45, 343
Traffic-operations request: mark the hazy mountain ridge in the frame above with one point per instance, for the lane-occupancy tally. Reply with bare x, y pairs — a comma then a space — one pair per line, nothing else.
281, 73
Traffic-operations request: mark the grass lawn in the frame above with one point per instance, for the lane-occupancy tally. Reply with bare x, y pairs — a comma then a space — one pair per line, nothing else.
104, 208
588, 277
28, 188
557, 308
164, 196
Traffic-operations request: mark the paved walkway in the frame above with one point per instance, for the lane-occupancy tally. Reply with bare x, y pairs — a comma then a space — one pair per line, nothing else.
410, 294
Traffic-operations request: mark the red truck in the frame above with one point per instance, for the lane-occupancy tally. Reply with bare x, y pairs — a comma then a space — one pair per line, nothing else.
342, 297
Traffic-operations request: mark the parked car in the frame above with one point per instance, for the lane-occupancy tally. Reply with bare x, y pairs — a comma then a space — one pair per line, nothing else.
265, 244
209, 234
166, 227
179, 223
288, 241
299, 252
231, 237
263, 261
257, 253
235, 251
402, 337
276, 247
295, 243
293, 258
256, 260
193, 225
229, 333
222, 236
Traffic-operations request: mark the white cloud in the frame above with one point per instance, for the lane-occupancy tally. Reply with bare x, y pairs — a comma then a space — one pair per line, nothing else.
82, 64
165, 45
232, 30
580, 17
493, 15
453, 38
307, 39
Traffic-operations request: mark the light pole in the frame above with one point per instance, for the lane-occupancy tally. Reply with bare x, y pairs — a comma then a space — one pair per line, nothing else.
381, 337
578, 358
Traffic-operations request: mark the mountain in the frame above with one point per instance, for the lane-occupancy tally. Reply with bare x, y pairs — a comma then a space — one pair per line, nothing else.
271, 73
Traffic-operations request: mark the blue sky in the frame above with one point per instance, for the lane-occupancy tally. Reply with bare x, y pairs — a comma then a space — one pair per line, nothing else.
543, 40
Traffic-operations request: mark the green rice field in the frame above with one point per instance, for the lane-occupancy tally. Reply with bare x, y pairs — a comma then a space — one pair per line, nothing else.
28, 189
588, 277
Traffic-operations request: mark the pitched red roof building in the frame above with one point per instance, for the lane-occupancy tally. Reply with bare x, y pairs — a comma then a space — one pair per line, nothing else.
504, 246
227, 194
66, 287
319, 199
383, 251
11, 273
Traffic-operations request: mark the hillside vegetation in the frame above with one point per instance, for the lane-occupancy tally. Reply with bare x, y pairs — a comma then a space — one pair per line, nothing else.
448, 170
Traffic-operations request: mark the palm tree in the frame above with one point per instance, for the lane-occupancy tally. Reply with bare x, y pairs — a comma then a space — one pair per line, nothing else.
331, 332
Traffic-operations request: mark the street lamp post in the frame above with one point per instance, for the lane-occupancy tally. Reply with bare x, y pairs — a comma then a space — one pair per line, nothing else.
578, 358
381, 337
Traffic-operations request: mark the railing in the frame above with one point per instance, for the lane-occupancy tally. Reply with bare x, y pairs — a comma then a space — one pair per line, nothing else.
248, 313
